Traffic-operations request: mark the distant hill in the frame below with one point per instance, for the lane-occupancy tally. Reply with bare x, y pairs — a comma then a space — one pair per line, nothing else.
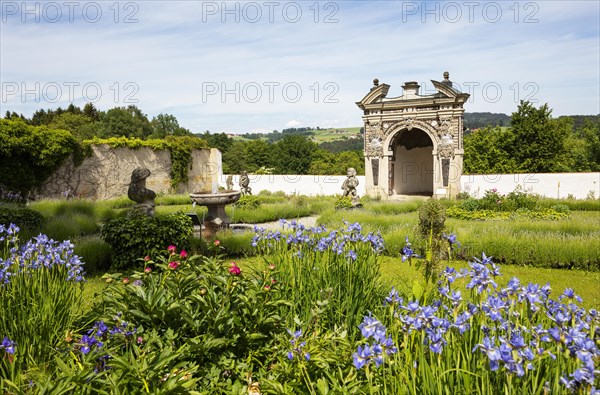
317, 135
477, 120
580, 120
351, 138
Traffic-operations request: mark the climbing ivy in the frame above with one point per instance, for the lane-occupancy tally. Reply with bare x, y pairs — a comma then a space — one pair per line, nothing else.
180, 148
30, 154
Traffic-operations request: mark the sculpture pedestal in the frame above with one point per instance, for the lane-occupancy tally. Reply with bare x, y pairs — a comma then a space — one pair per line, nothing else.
217, 218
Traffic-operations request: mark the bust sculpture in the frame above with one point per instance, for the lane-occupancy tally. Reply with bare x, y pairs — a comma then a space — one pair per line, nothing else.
139, 193
245, 183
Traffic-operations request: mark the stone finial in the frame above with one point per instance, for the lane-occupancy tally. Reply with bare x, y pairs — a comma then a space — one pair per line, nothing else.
446, 80
376, 82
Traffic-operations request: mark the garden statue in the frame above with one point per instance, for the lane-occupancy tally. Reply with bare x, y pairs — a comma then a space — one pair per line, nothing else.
245, 184
229, 183
349, 187
138, 192
350, 184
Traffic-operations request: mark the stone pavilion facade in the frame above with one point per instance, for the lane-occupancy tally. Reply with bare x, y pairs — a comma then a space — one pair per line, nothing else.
414, 142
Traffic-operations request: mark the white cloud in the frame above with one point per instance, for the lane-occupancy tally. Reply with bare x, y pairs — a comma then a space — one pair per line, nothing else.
292, 124
180, 58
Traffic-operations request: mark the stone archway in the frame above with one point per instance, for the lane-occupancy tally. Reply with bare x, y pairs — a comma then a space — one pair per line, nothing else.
412, 167
413, 143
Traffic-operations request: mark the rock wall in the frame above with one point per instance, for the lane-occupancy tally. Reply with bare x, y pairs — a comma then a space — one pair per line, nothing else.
107, 172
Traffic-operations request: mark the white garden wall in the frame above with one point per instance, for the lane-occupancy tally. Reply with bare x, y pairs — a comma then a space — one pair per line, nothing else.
556, 185
553, 185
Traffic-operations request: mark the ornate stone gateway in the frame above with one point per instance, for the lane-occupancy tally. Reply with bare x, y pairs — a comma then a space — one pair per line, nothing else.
413, 143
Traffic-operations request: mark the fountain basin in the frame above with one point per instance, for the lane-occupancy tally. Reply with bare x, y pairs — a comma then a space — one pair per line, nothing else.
217, 218
214, 199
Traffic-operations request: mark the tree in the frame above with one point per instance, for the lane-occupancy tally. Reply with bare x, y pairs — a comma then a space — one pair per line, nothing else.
218, 140
325, 162
258, 154
90, 111
167, 125
293, 155
128, 122
485, 153
81, 126
536, 142
234, 160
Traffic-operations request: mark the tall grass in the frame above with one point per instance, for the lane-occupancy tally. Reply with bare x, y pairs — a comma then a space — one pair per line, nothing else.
267, 213
94, 252
572, 243
329, 277
39, 295
572, 204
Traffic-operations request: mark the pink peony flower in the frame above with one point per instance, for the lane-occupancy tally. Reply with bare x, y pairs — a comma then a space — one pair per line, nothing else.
125, 280
217, 242
183, 254
148, 270
234, 269
267, 288
172, 249
147, 258
173, 265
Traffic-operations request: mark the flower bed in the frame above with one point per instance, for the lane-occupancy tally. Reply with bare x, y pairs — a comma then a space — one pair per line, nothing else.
182, 323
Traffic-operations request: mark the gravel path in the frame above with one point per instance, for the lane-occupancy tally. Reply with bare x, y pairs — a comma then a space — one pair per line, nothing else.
275, 225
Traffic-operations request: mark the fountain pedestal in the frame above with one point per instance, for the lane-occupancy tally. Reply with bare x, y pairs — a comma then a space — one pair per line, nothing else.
217, 218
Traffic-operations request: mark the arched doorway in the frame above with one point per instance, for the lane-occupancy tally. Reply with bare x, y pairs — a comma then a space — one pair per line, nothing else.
413, 142
413, 168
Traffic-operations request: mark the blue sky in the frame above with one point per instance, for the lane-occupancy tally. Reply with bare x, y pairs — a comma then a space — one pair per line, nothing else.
265, 65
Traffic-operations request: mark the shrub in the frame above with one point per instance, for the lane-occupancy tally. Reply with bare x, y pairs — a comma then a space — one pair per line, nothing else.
470, 204
32, 153
432, 218
300, 201
224, 317
173, 200
77, 206
236, 244
70, 226
561, 208
248, 202
519, 199
463, 196
343, 203
95, 254
22, 217
139, 235
492, 200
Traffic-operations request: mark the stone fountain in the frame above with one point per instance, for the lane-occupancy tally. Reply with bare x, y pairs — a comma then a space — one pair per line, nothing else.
217, 218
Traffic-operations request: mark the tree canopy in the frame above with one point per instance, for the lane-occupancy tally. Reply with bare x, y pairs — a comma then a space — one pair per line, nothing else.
534, 143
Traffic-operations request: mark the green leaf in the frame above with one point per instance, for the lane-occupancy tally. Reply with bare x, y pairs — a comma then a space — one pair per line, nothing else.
322, 386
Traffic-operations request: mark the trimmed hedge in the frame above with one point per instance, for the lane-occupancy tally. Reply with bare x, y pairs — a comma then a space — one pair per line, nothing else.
139, 235
24, 218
